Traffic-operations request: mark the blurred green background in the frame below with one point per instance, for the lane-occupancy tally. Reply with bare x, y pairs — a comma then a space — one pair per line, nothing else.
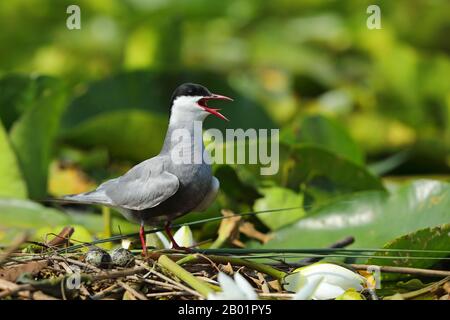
360, 111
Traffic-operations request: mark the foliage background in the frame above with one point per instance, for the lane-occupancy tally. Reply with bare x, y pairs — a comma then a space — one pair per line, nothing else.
364, 114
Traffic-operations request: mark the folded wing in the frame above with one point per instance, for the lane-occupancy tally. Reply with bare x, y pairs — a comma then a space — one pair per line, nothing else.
144, 186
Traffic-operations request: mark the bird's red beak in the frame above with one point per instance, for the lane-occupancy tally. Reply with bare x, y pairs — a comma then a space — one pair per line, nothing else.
203, 103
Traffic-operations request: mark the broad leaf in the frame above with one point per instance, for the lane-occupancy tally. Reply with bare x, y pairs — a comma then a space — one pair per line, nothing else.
373, 218
33, 134
17, 93
320, 169
326, 133
433, 239
11, 182
127, 134
18, 215
277, 197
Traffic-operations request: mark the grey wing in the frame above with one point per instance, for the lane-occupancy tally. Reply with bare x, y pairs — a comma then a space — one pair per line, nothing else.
144, 186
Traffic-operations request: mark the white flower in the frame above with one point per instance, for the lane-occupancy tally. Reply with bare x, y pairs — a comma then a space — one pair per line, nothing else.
126, 243
308, 288
237, 289
183, 237
322, 281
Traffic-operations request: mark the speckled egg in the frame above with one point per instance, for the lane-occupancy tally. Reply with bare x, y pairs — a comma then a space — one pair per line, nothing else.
122, 257
98, 258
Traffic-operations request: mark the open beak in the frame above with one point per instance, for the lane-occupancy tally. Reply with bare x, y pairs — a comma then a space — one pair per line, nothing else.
203, 103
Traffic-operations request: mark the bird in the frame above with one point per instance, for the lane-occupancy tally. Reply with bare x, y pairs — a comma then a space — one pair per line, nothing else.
160, 189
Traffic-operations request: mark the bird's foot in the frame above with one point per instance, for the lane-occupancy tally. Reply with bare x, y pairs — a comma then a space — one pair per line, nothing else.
175, 245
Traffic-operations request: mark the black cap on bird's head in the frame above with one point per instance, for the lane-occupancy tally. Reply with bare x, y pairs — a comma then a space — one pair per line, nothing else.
203, 94
190, 89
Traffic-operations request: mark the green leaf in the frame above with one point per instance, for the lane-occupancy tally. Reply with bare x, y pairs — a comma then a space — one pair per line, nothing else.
326, 133
125, 91
432, 238
277, 197
323, 170
33, 134
18, 215
127, 134
11, 182
17, 93
24, 214
373, 218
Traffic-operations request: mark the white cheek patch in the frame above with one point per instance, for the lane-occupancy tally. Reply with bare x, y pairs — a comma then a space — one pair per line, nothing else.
185, 108
186, 103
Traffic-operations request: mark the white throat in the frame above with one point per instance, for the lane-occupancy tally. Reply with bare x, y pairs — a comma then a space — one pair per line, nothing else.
185, 109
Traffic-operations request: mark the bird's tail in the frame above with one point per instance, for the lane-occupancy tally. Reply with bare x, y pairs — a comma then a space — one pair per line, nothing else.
92, 197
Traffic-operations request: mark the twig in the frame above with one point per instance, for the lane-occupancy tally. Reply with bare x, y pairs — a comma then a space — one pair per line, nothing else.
159, 283
116, 274
10, 288
39, 295
60, 239
276, 295
405, 270
21, 239
163, 294
179, 285
105, 292
76, 262
131, 290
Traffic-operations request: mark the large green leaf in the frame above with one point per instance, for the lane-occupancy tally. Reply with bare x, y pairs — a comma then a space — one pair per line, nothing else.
433, 239
276, 197
327, 133
33, 134
11, 182
26, 214
323, 170
127, 134
18, 215
17, 93
373, 218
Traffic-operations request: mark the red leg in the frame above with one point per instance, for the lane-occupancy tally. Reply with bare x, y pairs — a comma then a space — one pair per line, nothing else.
169, 234
143, 242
